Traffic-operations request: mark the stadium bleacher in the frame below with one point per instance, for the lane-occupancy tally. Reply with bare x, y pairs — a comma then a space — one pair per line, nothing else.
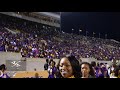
36, 40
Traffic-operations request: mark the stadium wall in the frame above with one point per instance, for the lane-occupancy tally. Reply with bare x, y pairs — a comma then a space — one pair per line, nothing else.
9, 56
37, 63
31, 63
93, 59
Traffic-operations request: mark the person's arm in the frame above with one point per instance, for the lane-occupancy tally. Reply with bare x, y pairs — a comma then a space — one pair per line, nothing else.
44, 66
1, 73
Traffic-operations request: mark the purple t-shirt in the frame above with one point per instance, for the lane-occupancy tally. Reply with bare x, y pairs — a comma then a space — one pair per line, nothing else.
4, 75
51, 74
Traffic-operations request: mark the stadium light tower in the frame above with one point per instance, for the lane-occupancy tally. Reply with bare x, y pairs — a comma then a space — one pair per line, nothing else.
80, 31
99, 35
72, 30
86, 33
105, 36
93, 34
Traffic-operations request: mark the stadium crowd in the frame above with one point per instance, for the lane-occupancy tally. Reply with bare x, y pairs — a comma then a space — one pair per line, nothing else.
36, 40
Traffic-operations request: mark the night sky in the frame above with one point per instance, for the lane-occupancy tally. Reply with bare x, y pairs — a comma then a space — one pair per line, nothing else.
97, 22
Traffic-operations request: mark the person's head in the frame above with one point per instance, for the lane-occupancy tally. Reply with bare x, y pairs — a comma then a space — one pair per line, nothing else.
3, 67
69, 66
34, 69
86, 69
106, 63
47, 61
93, 63
51, 60
98, 64
114, 65
101, 64
53, 63
36, 75
117, 71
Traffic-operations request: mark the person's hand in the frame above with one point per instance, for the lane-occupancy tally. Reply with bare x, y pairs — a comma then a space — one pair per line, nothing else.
83, 74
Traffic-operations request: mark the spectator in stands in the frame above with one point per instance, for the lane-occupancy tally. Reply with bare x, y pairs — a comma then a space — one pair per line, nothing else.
51, 60
52, 70
111, 70
112, 74
102, 71
3, 72
68, 67
99, 73
86, 70
93, 64
35, 69
117, 72
46, 64
105, 72
43, 42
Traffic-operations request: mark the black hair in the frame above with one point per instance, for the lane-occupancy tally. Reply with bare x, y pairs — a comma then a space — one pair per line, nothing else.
54, 62
116, 71
47, 60
98, 64
75, 65
93, 63
3, 67
101, 64
92, 73
51, 60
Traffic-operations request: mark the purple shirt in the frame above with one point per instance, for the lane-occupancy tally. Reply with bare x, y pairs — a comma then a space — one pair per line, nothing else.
51, 74
4, 76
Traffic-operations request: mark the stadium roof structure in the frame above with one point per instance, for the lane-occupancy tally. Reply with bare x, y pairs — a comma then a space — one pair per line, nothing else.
49, 18
55, 15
